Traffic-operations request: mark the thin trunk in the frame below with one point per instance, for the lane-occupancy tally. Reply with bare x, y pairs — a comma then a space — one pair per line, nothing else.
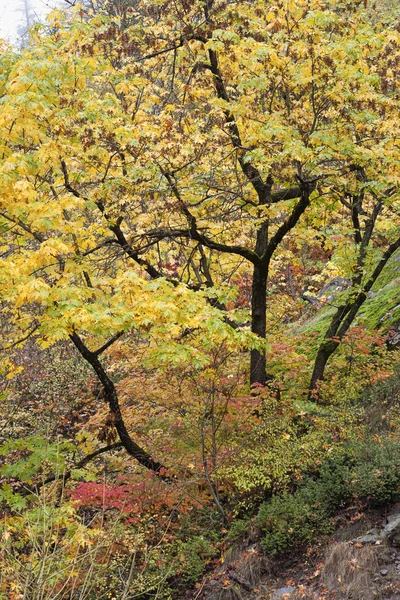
258, 322
341, 323
321, 360
27, 15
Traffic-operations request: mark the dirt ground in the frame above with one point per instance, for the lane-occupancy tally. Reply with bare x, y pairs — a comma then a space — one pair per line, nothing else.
336, 567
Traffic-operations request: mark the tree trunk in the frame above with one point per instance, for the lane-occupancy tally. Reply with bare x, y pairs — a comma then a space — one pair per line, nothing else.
258, 322
27, 15
323, 355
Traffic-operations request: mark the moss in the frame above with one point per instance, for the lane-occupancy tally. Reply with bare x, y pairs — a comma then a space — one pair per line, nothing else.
319, 322
389, 273
382, 309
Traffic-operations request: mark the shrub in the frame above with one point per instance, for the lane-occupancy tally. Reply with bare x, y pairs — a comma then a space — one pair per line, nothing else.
239, 530
375, 478
368, 471
292, 519
193, 557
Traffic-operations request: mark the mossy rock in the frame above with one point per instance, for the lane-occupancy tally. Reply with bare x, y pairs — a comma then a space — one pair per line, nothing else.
381, 310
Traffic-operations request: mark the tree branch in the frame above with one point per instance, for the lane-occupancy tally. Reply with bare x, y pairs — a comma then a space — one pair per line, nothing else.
362, 296
306, 189
111, 396
285, 194
34, 328
39, 237
249, 170
109, 343
67, 183
194, 234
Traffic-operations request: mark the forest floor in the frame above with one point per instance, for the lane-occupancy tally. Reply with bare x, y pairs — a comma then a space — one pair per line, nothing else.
335, 567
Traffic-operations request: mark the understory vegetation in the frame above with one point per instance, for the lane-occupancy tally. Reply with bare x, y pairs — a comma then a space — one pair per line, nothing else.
199, 288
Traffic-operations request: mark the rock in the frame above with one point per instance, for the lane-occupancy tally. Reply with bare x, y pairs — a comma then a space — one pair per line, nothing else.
333, 287
282, 592
369, 538
308, 298
384, 572
265, 590
391, 531
373, 536
394, 337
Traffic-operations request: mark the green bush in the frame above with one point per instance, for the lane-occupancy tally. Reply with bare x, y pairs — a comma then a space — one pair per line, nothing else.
366, 471
239, 530
196, 542
332, 487
375, 478
291, 519
192, 557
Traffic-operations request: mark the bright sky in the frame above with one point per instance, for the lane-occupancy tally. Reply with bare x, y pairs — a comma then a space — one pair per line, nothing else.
10, 15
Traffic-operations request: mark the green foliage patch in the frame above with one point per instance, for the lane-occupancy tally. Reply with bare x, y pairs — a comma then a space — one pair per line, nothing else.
367, 472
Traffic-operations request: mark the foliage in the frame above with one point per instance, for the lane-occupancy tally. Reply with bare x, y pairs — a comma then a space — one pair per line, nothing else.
365, 472
292, 519
176, 179
381, 403
193, 555
376, 477
75, 183
291, 439
46, 552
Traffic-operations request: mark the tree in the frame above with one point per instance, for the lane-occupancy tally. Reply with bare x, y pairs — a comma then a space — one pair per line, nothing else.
370, 198
29, 17
144, 165
347, 311
243, 181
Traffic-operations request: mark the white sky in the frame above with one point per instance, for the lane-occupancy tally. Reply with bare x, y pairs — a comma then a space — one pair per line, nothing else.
10, 15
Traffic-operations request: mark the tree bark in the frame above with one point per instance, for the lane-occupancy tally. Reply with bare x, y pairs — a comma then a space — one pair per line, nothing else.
264, 250
324, 353
258, 322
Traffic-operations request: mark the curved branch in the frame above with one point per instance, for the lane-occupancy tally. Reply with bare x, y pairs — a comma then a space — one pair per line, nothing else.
284, 194
249, 170
291, 221
194, 233
111, 396
68, 474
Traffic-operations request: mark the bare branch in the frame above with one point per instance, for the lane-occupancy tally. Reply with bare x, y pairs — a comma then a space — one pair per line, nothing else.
23, 339
39, 237
110, 342
194, 233
68, 474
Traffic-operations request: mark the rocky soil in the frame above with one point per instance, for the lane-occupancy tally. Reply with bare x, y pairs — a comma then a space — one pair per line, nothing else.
360, 561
